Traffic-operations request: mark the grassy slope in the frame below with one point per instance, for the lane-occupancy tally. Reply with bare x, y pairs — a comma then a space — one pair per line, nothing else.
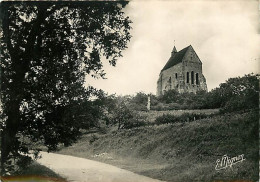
152, 115
179, 152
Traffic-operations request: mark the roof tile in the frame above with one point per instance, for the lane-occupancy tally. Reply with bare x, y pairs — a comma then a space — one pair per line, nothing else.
175, 59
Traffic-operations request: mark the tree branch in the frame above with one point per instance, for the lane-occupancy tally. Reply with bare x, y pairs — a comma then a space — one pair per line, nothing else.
6, 34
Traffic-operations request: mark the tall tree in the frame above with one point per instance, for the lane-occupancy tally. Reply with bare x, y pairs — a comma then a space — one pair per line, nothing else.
47, 49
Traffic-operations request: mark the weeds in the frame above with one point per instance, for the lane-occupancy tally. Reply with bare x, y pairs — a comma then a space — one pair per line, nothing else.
93, 138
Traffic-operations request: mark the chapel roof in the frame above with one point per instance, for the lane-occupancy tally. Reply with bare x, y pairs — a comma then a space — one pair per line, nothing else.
175, 58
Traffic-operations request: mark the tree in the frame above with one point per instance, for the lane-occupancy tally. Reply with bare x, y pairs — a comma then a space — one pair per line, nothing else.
240, 93
122, 114
138, 102
47, 49
170, 96
140, 98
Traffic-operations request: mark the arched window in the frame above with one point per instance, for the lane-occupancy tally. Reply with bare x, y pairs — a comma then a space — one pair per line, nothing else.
176, 75
170, 82
188, 77
192, 77
197, 78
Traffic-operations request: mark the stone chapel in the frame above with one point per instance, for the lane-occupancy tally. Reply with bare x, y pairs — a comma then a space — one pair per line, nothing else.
182, 72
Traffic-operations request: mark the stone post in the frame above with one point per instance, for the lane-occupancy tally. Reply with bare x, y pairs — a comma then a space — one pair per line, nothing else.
148, 103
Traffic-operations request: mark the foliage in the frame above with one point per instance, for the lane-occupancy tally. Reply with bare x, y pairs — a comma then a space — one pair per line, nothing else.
170, 96
137, 121
136, 102
139, 101
240, 93
140, 98
108, 101
47, 49
122, 110
122, 115
185, 117
93, 138
176, 100
137, 107
165, 118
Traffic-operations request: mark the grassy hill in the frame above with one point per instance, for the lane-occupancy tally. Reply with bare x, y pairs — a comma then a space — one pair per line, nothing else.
180, 151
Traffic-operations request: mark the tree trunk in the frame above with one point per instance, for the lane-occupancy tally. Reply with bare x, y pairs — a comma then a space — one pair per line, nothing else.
20, 64
9, 132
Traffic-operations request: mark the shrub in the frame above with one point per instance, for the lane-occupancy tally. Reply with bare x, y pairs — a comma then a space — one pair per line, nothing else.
137, 107
137, 121
122, 114
165, 118
140, 99
185, 117
240, 93
158, 107
133, 124
93, 138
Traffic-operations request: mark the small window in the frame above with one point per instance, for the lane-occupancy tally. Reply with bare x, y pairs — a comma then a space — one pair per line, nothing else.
188, 77
192, 77
197, 78
176, 75
170, 83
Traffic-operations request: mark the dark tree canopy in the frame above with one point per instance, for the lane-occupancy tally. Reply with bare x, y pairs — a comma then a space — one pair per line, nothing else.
47, 49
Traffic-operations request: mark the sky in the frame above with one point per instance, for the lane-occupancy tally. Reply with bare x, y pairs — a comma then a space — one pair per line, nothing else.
224, 34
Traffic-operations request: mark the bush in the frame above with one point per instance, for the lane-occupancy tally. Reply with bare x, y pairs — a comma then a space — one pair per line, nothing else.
158, 107
137, 121
240, 93
165, 118
170, 106
185, 117
93, 138
122, 114
169, 96
134, 123
137, 107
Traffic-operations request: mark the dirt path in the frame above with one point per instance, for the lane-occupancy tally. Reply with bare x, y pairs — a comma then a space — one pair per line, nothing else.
83, 170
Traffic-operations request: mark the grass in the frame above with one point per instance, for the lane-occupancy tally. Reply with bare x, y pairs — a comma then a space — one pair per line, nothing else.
180, 151
152, 115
